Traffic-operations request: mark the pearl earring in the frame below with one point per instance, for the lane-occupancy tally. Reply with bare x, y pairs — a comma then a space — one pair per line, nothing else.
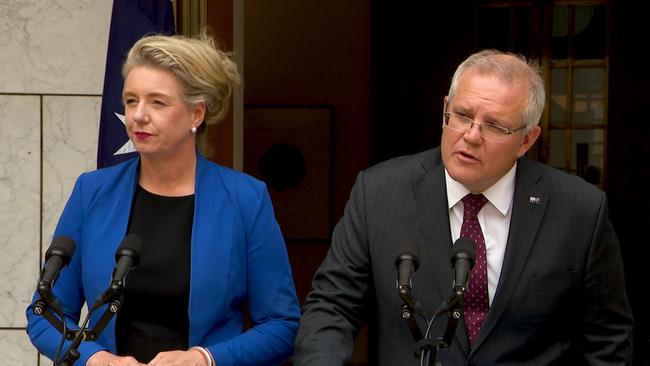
193, 129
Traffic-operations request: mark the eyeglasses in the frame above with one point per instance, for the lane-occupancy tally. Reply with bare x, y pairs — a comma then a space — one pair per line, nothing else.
489, 131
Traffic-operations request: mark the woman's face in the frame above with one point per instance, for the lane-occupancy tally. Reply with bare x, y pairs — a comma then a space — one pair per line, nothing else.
158, 120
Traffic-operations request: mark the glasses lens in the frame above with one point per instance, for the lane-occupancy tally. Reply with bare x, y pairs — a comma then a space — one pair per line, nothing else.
457, 122
493, 133
460, 123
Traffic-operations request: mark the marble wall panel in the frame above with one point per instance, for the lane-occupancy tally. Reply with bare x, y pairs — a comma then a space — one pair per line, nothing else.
54, 46
16, 350
20, 185
53, 52
70, 130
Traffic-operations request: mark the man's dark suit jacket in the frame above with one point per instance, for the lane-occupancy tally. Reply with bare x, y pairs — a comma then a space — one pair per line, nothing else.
561, 295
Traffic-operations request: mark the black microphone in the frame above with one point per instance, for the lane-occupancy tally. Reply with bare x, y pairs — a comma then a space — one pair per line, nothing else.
407, 263
127, 257
58, 255
463, 258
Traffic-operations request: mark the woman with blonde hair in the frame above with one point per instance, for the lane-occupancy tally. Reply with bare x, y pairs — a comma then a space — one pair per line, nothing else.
211, 244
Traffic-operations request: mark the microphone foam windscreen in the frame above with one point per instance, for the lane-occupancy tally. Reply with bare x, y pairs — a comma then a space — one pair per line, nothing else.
408, 249
131, 246
464, 248
62, 246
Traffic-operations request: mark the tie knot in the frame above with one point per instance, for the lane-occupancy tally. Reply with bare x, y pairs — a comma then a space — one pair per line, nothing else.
473, 204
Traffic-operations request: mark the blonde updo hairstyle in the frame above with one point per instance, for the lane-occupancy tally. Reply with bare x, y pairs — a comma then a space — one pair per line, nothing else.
206, 73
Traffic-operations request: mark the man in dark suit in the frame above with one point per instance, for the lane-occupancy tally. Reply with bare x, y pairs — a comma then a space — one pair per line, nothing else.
548, 284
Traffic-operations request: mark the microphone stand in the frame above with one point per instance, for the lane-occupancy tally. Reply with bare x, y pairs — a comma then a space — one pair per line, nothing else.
112, 295
83, 334
429, 346
426, 348
407, 310
41, 308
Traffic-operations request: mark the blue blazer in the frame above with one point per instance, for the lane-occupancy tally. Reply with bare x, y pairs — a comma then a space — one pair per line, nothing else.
237, 255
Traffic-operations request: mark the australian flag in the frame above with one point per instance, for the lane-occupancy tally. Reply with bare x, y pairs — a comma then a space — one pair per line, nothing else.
130, 20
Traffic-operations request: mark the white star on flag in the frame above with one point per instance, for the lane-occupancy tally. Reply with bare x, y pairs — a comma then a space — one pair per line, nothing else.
128, 147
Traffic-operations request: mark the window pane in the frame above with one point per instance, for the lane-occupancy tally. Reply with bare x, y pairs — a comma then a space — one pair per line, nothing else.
590, 30
560, 40
558, 96
556, 149
588, 95
494, 28
587, 155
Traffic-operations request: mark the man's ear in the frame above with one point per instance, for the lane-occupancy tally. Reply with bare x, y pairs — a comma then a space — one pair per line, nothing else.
528, 141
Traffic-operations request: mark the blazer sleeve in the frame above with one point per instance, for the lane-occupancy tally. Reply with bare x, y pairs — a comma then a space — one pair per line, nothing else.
336, 307
272, 302
607, 328
68, 288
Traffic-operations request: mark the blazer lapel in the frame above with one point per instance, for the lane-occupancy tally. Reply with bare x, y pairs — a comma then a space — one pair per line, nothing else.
529, 203
431, 198
213, 237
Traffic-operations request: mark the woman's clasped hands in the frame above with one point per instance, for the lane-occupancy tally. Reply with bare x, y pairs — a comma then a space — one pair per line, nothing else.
192, 357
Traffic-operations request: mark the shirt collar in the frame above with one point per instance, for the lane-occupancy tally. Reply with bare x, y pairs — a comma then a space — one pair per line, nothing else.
499, 194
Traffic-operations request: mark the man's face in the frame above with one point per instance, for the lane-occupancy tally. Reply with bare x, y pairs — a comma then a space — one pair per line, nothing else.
470, 159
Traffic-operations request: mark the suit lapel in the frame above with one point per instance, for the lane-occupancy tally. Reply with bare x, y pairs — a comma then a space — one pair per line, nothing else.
431, 198
214, 239
529, 203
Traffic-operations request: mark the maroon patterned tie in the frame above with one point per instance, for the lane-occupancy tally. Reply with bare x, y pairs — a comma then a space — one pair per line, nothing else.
476, 296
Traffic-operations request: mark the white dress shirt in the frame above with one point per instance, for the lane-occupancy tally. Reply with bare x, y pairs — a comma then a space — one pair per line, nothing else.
494, 219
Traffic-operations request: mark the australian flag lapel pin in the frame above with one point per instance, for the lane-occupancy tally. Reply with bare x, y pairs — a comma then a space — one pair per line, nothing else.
534, 200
